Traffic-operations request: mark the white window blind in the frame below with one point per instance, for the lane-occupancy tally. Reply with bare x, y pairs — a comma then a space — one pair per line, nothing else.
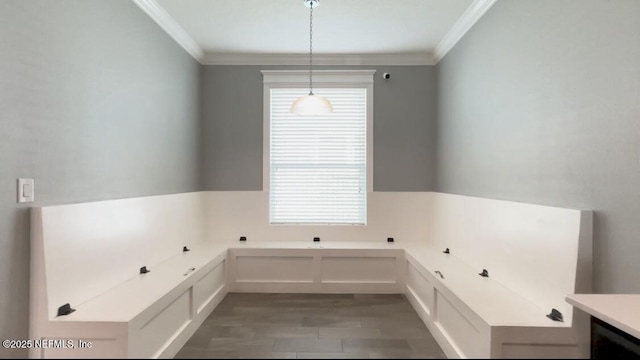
318, 163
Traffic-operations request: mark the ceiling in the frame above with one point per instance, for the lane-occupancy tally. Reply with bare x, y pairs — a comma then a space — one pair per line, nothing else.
218, 28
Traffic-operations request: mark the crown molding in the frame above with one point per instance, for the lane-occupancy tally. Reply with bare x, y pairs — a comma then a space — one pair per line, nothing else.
460, 28
168, 24
475, 11
318, 59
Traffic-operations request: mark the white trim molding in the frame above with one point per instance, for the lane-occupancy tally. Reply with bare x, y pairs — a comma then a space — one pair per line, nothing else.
409, 59
473, 13
171, 27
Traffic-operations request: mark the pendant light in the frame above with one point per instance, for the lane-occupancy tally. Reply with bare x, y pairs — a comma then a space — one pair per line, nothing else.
311, 104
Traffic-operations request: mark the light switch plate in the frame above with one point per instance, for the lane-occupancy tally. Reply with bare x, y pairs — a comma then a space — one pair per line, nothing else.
26, 190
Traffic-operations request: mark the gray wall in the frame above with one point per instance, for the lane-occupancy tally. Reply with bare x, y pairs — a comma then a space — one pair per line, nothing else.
540, 103
96, 102
404, 127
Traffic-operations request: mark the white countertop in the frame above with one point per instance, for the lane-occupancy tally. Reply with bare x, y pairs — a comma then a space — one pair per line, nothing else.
619, 310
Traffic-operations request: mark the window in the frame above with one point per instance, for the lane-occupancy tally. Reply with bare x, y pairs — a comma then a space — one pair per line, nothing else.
318, 168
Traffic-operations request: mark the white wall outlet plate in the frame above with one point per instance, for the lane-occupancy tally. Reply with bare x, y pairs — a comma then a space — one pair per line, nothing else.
26, 190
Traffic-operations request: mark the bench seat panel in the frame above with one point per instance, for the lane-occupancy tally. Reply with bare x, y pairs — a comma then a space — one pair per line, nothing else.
208, 286
274, 269
359, 269
421, 288
460, 332
154, 336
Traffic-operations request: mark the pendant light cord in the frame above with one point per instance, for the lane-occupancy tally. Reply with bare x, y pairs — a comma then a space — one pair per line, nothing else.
311, 50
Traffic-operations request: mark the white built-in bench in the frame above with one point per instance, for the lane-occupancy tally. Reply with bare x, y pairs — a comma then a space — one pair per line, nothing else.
89, 255
533, 254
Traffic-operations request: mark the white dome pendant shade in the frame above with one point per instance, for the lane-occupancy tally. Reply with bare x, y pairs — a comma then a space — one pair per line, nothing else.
311, 104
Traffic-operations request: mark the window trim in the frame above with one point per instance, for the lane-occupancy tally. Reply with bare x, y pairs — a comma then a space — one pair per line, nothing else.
321, 79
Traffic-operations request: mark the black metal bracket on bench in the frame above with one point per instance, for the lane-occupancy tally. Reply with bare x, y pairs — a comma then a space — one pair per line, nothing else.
389, 239
446, 251
144, 270
316, 239
65, 310
185, 249
555, 315
484, 273
243, 238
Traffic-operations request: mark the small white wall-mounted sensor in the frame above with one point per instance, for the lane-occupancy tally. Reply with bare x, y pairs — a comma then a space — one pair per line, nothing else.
26, 190
386, 76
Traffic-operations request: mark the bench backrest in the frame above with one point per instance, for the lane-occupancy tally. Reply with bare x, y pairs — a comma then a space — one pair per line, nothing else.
91, 247
399, 215
542, 253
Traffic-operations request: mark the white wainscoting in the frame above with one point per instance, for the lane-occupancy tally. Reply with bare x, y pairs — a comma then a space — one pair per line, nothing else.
401, 215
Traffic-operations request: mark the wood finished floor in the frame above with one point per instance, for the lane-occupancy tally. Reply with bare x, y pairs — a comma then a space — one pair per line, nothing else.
312, 326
